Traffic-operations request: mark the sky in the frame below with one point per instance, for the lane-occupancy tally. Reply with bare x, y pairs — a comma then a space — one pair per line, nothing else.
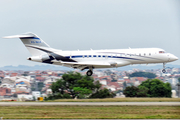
86, 24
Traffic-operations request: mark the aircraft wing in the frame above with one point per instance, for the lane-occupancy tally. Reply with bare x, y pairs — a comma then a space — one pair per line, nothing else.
83, 65
86, 63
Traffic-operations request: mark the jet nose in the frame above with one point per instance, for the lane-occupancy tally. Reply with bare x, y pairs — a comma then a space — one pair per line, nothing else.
173, 57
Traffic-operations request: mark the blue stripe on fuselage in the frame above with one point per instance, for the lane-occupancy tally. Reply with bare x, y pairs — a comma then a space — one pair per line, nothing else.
85, 56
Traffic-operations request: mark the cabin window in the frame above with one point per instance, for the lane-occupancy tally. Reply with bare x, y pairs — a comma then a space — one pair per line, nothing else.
161, 51
144, 54
149, 54
139, 54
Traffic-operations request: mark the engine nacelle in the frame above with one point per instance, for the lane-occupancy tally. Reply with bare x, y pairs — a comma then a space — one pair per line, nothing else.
40, 58
45, 57
35, 58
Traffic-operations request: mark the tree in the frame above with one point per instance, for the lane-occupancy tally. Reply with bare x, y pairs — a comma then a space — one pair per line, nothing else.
130, 91
142, 91
149, 88
73, 85
143, 74
157, 88
104, 93
82, 92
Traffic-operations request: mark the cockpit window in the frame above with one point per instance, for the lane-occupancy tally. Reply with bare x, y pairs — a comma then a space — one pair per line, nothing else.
161, 51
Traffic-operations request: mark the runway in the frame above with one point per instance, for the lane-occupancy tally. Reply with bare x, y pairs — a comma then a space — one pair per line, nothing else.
90, 103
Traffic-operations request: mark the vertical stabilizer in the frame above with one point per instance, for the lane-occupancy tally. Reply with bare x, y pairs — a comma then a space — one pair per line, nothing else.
32, 42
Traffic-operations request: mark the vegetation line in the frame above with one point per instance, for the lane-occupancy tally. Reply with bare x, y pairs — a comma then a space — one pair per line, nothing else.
119, 100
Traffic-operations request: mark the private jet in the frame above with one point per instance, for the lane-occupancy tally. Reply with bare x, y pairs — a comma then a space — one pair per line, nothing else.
92, 59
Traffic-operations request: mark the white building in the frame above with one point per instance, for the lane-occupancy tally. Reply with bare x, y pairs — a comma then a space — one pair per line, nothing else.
36, 94
24, 97
103, 82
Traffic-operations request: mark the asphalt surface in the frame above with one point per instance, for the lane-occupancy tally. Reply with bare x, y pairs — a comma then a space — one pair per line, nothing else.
90, 103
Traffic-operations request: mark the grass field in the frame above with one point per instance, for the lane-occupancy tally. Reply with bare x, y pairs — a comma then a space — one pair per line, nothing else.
90, 112
120, 100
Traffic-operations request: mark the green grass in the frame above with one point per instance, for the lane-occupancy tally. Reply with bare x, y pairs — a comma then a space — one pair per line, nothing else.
120, 100
90, 112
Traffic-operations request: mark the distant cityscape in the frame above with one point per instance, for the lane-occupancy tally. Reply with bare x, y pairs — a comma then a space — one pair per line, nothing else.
30, 82
55, 67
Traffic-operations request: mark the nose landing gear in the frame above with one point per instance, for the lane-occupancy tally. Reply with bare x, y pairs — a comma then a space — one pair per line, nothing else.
164, 70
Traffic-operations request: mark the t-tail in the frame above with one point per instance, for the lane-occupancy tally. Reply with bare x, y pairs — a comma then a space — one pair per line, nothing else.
36, 46
32, 42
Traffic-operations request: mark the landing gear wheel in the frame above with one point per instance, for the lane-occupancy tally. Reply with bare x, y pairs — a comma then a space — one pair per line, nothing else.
164, 71
89, 73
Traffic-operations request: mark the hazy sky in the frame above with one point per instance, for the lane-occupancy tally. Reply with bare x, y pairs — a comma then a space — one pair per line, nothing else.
85, 24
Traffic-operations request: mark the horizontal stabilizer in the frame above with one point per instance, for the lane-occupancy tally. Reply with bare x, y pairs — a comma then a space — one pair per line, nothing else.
20, 36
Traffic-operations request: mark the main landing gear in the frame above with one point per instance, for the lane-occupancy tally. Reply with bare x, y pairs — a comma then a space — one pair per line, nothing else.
164, 70
89, 72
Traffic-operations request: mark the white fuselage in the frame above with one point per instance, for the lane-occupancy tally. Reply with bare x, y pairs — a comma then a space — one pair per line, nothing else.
115, 57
